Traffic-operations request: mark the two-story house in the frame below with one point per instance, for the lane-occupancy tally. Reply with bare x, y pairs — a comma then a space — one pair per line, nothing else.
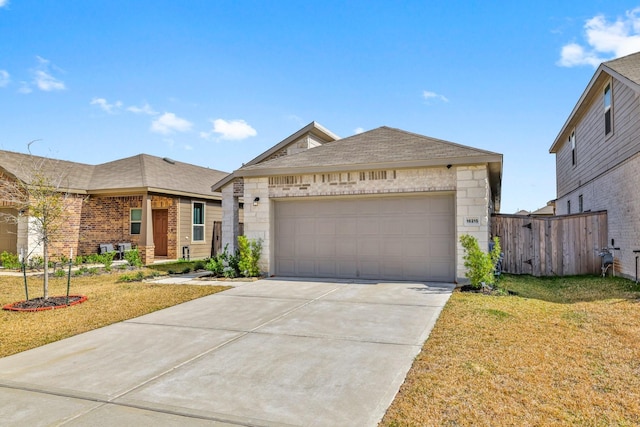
598, 155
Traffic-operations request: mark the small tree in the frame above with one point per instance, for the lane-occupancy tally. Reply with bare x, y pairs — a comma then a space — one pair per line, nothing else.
249, 255
38, 194
480, 265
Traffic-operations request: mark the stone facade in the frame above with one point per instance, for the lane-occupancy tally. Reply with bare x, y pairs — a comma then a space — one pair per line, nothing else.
615, 192
470, 184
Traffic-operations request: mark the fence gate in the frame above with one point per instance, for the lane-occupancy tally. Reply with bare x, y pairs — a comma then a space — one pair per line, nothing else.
551, 246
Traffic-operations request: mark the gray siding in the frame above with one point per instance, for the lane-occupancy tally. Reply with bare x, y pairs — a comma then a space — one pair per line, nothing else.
595, 152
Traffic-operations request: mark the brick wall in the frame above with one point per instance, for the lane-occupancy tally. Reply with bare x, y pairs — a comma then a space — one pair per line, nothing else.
616, 192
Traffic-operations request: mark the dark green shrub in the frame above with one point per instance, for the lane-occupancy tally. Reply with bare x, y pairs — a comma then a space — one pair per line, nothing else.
60, 273
199, 265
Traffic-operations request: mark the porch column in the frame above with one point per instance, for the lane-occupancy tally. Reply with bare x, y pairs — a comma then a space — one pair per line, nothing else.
146, 246
230, 217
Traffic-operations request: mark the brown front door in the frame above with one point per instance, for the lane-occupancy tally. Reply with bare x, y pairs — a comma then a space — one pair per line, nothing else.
160, 231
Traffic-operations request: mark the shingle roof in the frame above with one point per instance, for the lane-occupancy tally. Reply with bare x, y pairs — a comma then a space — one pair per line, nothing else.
383, 145
628, 66
137, 172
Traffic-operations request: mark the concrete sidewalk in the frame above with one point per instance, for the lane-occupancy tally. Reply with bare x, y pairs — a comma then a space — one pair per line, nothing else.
271, 352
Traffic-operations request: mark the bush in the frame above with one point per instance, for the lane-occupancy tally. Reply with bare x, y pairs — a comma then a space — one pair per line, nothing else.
136, 277
480, 265
248, 256
199, 265
60, 273
133, 258
9, 261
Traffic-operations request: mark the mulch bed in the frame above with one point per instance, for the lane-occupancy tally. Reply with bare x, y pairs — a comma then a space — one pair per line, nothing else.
40, 304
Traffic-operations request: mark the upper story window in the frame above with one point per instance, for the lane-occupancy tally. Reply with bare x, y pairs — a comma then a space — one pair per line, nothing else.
608, 125
198, 222
572, 142
135, 221
580, 204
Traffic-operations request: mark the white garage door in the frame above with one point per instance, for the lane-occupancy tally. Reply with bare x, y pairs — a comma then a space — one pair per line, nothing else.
392, 238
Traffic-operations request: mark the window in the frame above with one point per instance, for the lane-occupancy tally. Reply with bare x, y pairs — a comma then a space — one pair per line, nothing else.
198, 222
580, 205
568, 207
135, 220
607, 110
572, 141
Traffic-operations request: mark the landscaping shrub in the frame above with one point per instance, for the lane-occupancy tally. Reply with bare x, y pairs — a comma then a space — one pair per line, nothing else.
9, 261
248, 256
133, 258
480, 265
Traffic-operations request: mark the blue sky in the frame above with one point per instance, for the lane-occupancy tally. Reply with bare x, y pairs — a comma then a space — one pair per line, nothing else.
215, 83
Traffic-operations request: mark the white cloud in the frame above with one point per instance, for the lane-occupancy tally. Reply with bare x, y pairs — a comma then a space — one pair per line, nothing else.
43, 77
169, 123
4, 3
4, 77
605, 40
145, 109
105, 106
428, 95
231, 130
358, 130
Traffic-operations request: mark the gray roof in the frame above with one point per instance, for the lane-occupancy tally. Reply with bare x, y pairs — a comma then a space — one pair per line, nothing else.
141, 172
627, 66
381, 147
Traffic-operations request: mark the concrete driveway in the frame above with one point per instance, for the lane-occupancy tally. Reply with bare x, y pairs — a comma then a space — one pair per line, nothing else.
272, 352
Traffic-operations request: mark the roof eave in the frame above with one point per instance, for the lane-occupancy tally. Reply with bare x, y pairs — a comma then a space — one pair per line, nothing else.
143, 190
601, 69
459, 161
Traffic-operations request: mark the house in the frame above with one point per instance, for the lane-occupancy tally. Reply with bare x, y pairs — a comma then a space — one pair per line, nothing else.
383, 204
157, 204
598, 156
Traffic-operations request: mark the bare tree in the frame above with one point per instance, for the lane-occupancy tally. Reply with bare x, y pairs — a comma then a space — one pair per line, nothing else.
37, 193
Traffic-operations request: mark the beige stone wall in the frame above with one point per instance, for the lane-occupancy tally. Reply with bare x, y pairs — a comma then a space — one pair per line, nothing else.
473, 197
470, 183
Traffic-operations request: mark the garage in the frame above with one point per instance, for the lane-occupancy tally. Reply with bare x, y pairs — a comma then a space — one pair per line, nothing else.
8, 233
408, 237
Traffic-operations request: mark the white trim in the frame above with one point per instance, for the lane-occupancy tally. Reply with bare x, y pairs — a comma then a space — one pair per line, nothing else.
204, 221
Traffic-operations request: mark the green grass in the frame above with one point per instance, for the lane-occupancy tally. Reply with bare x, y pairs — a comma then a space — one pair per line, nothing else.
564, 351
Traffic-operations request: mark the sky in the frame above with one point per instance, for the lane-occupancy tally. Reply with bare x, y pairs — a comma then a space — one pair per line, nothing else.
215, 83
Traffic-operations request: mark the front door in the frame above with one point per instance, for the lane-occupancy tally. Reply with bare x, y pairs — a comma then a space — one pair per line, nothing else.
160, 231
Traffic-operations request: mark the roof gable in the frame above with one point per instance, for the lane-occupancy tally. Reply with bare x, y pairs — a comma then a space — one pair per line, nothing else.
625, 69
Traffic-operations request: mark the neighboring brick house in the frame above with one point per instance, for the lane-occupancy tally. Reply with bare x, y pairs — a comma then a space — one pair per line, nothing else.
383, 204
158, 205
598, 155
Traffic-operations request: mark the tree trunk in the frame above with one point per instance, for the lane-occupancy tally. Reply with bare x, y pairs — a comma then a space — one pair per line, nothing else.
46, 271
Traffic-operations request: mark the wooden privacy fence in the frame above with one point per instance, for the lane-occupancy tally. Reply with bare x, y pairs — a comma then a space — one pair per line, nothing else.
551, 246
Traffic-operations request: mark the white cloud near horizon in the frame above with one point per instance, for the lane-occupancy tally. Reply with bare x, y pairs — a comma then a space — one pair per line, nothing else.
428, 95
605, 40
230, 130
169, 123
358, 130
105, 106
4, 77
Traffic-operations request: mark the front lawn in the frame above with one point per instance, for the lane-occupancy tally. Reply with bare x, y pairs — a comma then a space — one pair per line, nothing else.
565, 351
109, 301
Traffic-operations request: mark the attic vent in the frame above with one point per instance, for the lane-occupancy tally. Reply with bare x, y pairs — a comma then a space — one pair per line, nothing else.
168, 160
